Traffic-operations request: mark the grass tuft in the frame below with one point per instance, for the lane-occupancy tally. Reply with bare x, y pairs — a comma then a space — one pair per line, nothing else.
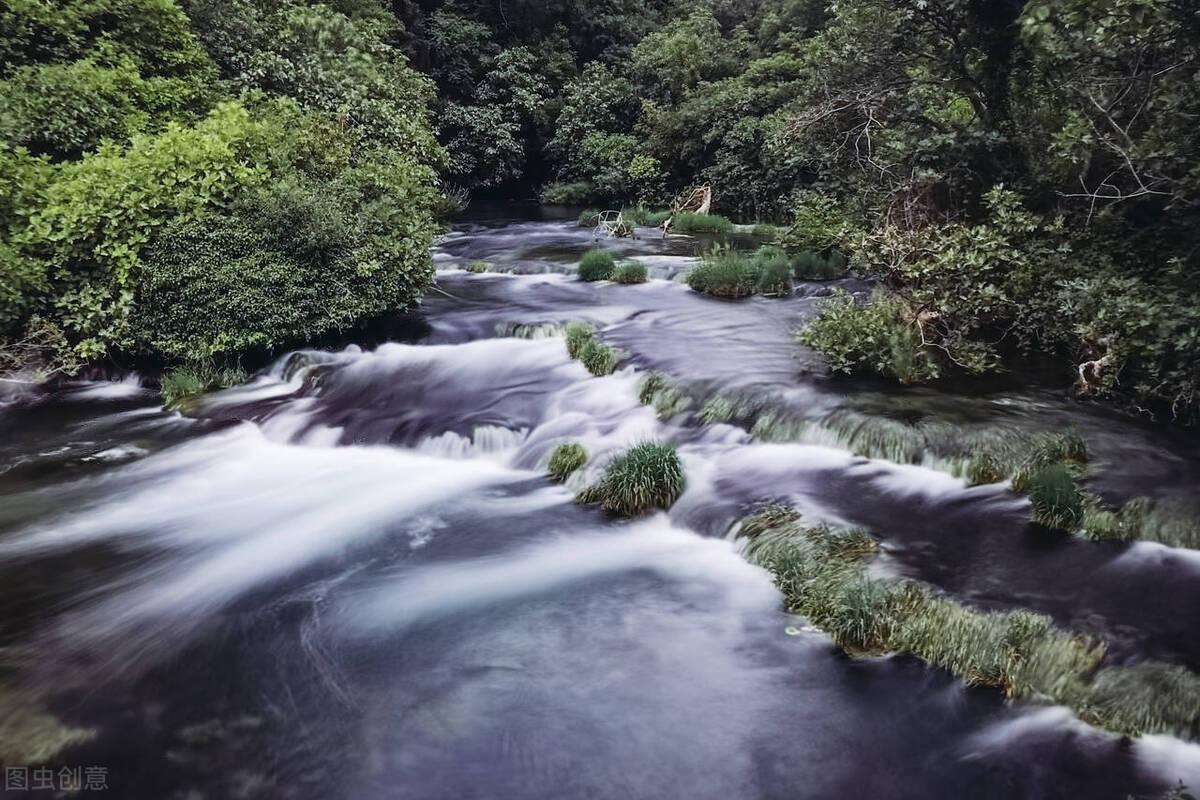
578, 335
565, 459
597, 265
630, 272
478, 267
728, 273
645, 477
589, 218
665, 397
582, 345
182, 384
1057, 500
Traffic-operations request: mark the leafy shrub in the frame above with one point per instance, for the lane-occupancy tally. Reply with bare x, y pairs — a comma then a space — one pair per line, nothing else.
629, 272
565, 459
879, 336
820, 225
812, 266
568, 194
193, 379
597, 265
648, 476
688, 222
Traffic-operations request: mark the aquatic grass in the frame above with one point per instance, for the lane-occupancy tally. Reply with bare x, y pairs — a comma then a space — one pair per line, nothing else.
565, 459
1057, 500
774, 278
724, 273
1147, 698
689, 222
666, 398
629, 272
578, 336
31, 735
599, 358
589, 218
647, 476
643, 216
596, 265
478, 267
1140, 519
184, 383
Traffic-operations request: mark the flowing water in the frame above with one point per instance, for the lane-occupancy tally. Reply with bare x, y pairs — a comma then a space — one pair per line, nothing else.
351, 577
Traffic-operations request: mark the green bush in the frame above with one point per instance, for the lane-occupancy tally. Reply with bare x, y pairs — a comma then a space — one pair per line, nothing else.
565, 459
645, 477
568, 194
688, 222
630, 272
191, 380
812, 266
879, 336
596, 265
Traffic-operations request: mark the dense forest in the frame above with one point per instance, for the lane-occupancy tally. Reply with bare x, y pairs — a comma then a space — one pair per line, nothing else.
195, 181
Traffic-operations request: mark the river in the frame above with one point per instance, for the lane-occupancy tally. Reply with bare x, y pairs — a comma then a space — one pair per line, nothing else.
352, 578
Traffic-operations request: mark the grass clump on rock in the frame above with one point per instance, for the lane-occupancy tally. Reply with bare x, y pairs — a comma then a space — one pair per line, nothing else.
478, 266
1057, 500
629, 272
645, 477
667, 399
728, 273
565, 459
582, 345
597, 265
192, 380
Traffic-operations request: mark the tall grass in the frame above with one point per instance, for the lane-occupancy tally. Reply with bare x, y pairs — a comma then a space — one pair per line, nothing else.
688, 222
645, 477
596, 265
642, 216
582, 345
812, 266
589, 218
729, 273
660, 393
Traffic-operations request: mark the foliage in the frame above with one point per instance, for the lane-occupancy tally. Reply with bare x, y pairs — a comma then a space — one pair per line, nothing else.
196, 378
645, 477
664, 396
629, 272
596, 265
688, 222
810, 266
566, 459
597, 357
569, 194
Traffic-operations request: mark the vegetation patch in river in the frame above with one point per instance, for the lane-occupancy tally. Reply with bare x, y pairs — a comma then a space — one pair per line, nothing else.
663, 395
629, 272
643, 478
599, 358
729, 273
478, 267
187, 382
565, 459
597, 265
822, 573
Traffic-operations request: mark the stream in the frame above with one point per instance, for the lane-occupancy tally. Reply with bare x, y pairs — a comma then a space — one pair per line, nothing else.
351, 577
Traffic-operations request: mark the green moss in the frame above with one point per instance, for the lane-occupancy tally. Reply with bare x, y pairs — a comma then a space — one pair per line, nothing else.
630, 272
565, 459
648, 476
184, 383
596, 265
